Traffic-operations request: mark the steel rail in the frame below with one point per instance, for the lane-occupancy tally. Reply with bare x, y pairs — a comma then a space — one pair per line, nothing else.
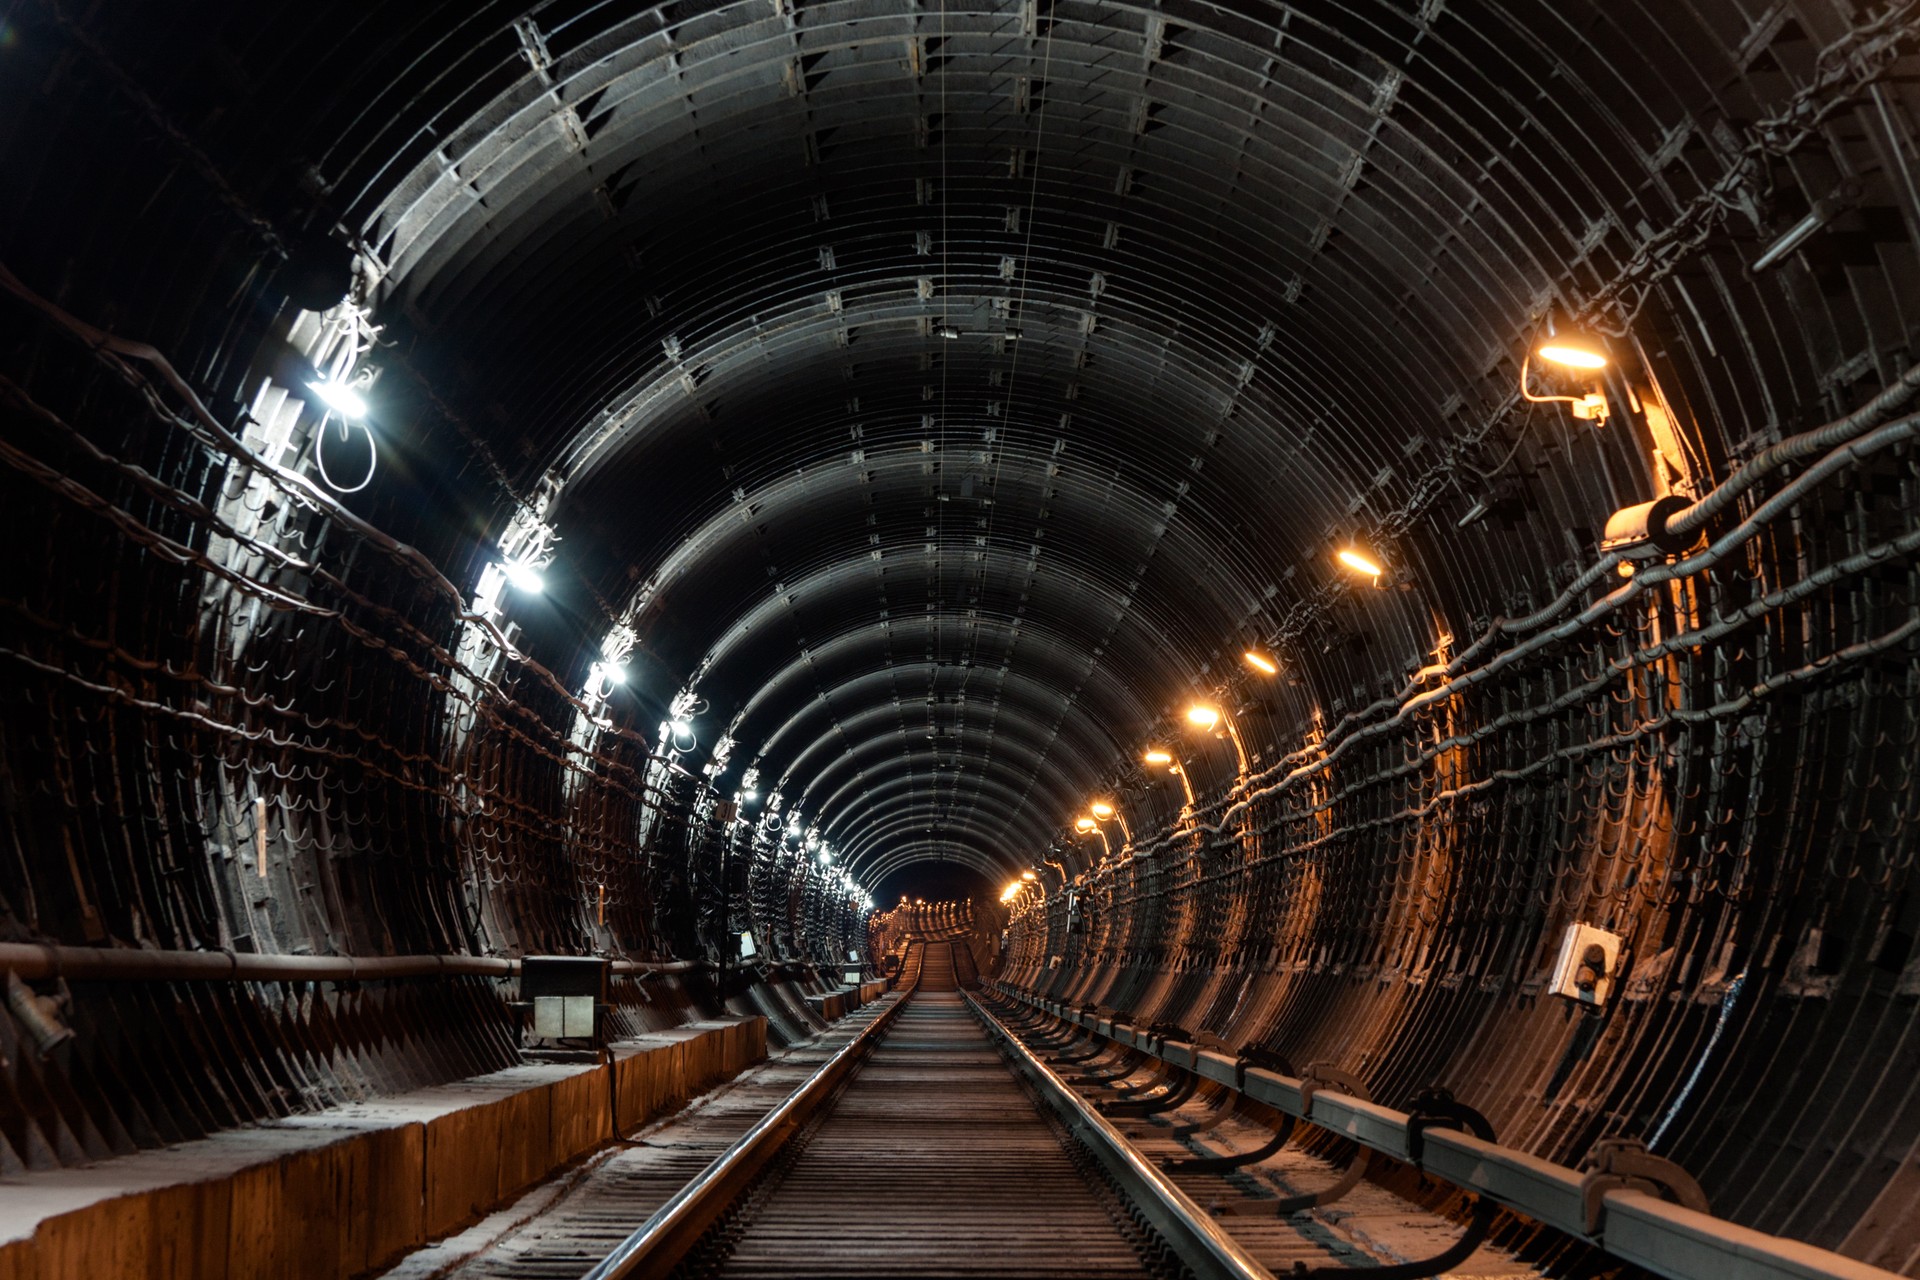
35, 961
1186, 1227
676, 1226
1623, 1220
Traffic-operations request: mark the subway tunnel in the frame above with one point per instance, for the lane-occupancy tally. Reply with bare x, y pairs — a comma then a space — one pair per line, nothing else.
1330, 565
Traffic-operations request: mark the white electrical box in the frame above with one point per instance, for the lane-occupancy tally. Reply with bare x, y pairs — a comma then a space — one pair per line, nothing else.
747, 948
1588, 965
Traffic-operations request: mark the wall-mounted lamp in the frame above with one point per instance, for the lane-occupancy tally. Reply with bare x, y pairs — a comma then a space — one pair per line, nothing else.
1208, 717
1087, 826
1261, 662
1573, 348
1819, 214
1579, 351
1361, 562
1164, 758
523, 577
343, 398
1104, 811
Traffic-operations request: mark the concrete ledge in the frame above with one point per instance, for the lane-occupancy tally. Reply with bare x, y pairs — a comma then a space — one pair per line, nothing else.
336, 1194
837, 1004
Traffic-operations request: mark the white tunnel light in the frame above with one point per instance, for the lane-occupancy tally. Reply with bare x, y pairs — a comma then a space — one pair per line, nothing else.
340, 397
615, 671
524, 577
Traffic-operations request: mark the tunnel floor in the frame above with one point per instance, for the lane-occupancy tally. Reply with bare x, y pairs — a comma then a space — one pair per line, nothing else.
933, 1163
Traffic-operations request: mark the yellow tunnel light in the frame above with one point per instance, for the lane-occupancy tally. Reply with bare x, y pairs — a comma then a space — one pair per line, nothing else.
1157, 756
1101, 809
1028, 875
1261, 662
1083, 824
1203, 716
1360, 561
1574, 348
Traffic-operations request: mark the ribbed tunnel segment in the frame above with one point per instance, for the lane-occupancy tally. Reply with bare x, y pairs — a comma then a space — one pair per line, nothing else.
731, 487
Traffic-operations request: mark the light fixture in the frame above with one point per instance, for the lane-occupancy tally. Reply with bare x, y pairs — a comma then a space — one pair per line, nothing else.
524, 577
1083, 824
1819, 214
1161, 756
826, 856
681, 728
1360, 562
1105, 812
1208, 718
614, 671
1028, 875
341, 397
1573, 348
1261, 662
749, 796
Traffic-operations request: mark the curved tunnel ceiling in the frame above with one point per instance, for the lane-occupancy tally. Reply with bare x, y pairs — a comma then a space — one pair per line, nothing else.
944, 391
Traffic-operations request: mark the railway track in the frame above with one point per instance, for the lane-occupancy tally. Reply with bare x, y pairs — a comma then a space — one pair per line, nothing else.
923, 1138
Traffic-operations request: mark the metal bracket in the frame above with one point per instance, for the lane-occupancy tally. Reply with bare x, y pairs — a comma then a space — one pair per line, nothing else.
1437, 1108
1625, 1164
1321, 1075
1258, 1055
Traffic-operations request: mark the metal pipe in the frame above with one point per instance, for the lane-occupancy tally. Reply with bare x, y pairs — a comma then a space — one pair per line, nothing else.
1793, 448
34, 961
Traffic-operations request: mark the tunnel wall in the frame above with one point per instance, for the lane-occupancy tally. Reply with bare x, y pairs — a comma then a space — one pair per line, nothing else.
1712, 759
